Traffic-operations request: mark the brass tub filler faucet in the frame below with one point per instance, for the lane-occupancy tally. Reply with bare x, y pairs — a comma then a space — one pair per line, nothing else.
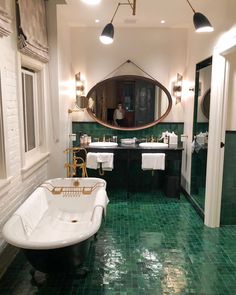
75, 160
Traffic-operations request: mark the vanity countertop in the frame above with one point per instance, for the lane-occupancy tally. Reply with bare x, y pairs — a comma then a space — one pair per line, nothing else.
135, 147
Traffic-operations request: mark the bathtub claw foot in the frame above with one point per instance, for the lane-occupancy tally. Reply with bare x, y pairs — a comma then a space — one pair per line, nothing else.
38, 277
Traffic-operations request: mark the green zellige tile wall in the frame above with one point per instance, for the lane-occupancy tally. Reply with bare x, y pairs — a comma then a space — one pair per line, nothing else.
228, 204
96, 130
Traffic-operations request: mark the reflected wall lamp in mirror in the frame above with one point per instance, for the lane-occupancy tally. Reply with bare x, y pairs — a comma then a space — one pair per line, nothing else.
200, 21
108, 31
177, 88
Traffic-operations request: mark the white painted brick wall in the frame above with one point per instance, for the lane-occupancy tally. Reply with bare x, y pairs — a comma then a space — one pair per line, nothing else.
19, 190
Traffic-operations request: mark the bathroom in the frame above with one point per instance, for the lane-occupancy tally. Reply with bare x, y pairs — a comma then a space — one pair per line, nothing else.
162, 51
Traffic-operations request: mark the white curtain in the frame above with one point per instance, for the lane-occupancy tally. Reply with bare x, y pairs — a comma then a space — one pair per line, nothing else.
32, 33
5, 21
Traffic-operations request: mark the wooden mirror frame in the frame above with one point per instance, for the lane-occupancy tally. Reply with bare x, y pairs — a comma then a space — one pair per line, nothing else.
131, 128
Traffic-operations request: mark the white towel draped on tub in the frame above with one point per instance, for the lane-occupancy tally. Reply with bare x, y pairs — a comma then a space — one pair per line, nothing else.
33, 210
101, 201
153, 161
94, 160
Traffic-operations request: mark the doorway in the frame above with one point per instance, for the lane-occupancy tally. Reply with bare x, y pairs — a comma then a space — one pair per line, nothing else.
202, 99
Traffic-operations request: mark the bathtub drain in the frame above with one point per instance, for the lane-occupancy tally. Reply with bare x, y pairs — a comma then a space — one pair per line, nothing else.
74, 221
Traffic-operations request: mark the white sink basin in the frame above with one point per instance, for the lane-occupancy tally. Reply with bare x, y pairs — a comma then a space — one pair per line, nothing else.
153, 145
103, 144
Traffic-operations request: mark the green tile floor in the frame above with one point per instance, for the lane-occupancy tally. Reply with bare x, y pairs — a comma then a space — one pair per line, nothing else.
149, 245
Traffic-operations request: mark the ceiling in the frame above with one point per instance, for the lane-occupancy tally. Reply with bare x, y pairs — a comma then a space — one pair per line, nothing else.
176, 13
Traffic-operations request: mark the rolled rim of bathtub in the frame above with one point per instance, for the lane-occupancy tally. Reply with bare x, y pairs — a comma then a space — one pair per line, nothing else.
92, 226
27, 244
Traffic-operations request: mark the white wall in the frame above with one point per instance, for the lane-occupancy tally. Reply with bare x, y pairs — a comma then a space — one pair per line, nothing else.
160, 52
59, 88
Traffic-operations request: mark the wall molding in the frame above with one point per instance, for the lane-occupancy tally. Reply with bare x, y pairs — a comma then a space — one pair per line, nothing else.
31, 167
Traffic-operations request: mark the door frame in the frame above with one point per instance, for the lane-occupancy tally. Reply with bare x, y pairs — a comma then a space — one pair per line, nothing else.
217, 127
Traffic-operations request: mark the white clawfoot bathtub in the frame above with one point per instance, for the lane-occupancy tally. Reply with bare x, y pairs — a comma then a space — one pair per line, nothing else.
56, 223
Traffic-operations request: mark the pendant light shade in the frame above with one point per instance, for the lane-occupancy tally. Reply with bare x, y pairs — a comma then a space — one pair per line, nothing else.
107, 34
201, 23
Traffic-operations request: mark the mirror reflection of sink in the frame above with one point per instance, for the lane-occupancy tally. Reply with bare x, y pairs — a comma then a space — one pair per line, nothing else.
103, 144
154, 145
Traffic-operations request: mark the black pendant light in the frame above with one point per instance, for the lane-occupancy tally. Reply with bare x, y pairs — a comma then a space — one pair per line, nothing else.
108, 32
200, 21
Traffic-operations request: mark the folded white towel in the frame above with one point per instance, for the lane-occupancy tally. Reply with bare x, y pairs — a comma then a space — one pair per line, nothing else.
153, 161
107, 160
33, 210
94, 160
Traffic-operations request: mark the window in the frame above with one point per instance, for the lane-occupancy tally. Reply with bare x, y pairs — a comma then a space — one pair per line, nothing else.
30, 109
2, 149
33, 109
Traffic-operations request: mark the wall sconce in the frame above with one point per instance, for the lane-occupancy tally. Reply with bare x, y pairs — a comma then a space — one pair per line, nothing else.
79, 87
79, 94
177, 88
108, 31
200, 21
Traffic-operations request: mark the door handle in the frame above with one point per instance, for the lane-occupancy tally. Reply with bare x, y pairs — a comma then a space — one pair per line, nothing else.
222, 144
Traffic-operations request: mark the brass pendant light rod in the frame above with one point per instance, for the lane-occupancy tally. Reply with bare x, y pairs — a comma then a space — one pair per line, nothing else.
191, 6
132, 5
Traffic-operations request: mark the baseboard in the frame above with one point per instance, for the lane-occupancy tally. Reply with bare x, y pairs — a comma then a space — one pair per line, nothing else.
7, 255
195, 205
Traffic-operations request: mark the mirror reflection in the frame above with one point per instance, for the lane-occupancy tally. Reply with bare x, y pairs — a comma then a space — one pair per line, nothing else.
200, 131
128, 101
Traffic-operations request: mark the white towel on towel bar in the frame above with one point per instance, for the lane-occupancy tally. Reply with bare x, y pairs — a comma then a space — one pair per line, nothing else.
153, 161
94, 160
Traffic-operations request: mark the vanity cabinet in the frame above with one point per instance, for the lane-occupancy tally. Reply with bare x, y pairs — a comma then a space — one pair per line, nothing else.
127, 173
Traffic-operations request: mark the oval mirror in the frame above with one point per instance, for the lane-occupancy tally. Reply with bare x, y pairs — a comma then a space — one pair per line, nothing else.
129, 102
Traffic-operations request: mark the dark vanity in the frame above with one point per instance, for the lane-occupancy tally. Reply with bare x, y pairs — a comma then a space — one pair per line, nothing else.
142, 103
127, 172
